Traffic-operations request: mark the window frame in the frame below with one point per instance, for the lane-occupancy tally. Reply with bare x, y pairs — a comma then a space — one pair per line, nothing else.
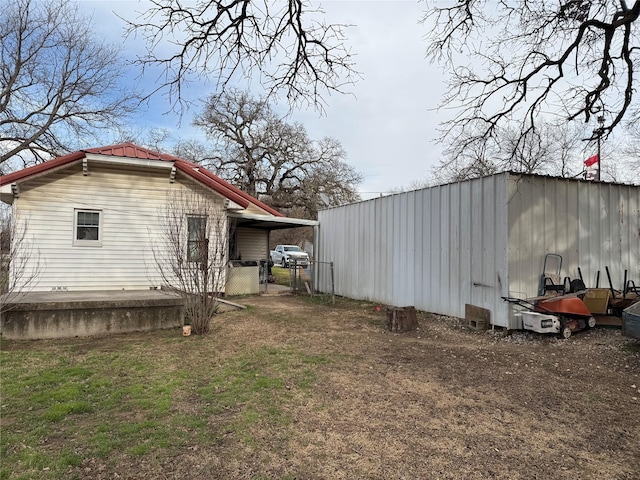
87, 242
200, 254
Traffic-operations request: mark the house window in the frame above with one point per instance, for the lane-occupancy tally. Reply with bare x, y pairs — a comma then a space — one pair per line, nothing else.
87, 228
197, 245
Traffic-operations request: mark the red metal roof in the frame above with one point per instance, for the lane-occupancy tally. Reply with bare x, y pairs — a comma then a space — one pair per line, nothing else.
129, 150
41, 168
226, 185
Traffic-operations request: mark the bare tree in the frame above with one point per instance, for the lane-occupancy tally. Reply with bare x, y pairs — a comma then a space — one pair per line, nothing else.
191, 149
190, 252
271, 159
527, 60
286, 43
20, 265
153, 139
57, 81
624, 155
549, 150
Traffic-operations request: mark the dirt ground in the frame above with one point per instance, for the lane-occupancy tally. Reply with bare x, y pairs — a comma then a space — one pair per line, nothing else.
447, 402
444, 402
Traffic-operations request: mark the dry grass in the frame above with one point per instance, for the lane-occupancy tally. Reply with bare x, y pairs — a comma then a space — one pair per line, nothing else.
293, 388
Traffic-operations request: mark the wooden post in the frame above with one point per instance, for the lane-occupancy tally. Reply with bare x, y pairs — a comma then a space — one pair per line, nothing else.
401, 319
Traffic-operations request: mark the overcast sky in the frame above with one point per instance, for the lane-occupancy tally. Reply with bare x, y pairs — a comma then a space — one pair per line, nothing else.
387, 127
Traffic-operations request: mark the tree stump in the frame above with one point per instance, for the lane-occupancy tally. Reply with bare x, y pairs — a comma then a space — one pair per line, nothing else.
401, 319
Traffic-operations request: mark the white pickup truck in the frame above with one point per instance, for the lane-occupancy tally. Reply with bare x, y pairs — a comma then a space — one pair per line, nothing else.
285, 254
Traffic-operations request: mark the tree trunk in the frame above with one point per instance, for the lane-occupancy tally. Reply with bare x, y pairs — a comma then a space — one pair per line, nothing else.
401, 319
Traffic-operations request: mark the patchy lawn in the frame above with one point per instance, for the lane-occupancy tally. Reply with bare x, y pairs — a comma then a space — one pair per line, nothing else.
297, 388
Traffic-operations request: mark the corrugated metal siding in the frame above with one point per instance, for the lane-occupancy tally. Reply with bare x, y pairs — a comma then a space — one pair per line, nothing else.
591, 225
476, 241
434, 248
131, 205
252, 243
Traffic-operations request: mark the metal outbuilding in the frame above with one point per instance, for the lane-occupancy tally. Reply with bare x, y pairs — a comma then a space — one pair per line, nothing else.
473, 242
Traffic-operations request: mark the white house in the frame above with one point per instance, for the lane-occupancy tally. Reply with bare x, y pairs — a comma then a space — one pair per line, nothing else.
474, 242
93, 215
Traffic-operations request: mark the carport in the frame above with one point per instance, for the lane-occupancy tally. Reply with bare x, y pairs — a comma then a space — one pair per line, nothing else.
249, 239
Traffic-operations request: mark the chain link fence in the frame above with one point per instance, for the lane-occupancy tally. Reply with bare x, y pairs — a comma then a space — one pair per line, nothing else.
316, 279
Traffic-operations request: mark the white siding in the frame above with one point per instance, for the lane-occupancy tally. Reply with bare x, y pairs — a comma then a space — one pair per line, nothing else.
252, 243
130, 203
476, 241
436, 248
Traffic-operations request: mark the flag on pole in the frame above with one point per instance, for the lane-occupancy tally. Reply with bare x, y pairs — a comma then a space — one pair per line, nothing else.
591, 161
592, 168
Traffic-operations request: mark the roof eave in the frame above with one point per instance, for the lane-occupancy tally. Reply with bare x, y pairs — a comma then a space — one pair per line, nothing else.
193, 171
272, 222
134, 162
41, 168
245, 195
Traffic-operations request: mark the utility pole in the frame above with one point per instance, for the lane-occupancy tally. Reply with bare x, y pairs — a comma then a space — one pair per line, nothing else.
599, 131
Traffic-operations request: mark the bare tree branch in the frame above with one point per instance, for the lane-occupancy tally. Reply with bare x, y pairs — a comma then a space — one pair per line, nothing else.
529, 60
549, 149
283, 45
20, 264
271, 159
190, 252
57, 82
